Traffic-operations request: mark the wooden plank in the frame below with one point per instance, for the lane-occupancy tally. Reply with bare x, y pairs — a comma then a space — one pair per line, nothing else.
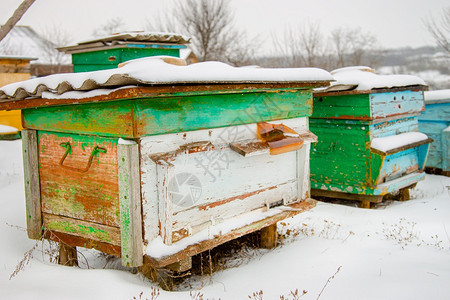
77, 241
383, 105
92, 196
191, 250
165, 174
303, 172
88, 230
193, 220
269, 236
150, 204
32, 186
130, 205
67, 255
133, 118
343, 107
347, 196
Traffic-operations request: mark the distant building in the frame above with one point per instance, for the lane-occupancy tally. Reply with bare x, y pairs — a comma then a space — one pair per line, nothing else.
23, 41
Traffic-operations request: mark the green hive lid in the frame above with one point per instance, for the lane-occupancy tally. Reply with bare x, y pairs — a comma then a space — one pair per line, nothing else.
124, 38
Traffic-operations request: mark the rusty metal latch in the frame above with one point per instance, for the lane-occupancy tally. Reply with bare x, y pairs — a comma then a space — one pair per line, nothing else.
68, 148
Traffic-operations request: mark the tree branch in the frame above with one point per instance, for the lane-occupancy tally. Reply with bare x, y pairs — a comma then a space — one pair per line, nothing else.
17, 15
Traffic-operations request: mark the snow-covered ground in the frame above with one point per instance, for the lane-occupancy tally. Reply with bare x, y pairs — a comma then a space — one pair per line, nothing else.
397, 251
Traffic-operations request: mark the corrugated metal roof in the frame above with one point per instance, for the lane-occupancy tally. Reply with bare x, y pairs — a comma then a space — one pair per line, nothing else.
159, 70
24, 41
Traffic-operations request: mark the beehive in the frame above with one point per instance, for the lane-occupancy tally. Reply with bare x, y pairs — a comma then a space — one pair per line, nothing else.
369, 144
108, 52
435, 122
179, 159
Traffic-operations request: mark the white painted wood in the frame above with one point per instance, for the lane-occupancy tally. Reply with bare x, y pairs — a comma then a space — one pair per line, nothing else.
197, 218
164, 175
303, 172
217, 136
215, 175
223, 173
149, 195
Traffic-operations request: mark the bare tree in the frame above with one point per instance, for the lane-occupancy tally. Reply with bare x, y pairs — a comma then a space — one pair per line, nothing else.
302, 46
54, 37
111, 26
351, 46
17, 15
210, 25
440, 29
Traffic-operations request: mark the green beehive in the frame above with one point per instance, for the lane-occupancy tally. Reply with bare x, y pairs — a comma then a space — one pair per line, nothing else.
108, 52
155, 154
369, 144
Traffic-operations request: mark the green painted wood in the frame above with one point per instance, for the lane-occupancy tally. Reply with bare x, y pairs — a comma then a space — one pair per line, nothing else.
130, 205
339, 159
180, 114
108, 119
342, 106
160, 115
110, 58
32, 187
91, 196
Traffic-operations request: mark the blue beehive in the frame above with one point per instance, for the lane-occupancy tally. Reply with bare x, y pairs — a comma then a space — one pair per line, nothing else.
435, 122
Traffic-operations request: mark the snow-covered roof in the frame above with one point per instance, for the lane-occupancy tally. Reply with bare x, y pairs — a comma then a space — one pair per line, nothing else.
361, 78
159, 70
439, 96
391, 142
24, 41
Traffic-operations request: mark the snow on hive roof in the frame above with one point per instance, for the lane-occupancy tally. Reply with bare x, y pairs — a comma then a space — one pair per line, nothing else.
361, 78
24, 41
439, 96
159, 70
137, 37
395, 141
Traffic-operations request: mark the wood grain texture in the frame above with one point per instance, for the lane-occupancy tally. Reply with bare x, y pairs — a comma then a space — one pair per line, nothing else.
200, 181
32, 186
88, 230
218, 240
92, 196
133, 118
130, 205
77, 241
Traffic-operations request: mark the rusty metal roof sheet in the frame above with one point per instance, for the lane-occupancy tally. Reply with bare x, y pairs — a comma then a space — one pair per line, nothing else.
160, 70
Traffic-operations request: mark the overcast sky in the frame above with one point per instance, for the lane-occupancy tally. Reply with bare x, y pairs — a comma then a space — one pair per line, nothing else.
395, 23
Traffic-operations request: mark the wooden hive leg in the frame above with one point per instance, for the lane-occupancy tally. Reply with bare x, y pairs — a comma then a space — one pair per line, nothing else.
67, 255
269, 236
364, 204
403, 194
162, 276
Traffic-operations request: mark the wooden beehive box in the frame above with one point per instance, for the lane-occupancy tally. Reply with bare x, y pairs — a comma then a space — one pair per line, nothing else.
174, 163
108, 52
369, 144
435, 122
